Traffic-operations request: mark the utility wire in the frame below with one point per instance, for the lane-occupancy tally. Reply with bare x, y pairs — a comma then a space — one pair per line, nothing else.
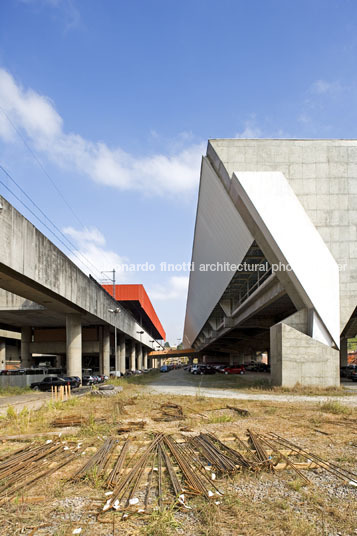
36, 158
74, 251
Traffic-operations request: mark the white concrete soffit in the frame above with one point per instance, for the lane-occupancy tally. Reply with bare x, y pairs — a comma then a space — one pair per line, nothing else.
279, 223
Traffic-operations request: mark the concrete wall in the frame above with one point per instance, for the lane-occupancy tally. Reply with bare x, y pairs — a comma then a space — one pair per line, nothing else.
21, 380
297, 358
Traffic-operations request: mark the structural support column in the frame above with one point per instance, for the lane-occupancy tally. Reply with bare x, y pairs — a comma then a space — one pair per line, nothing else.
132, 355
139, 356
2, 354
343, 353
26, 339
145, 351
122, 356
73, 345
106, 351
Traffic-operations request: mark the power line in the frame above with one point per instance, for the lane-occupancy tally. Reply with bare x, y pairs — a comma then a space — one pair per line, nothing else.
74, 251
36, 158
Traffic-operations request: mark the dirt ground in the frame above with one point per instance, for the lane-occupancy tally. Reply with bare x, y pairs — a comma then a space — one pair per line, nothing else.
252, 503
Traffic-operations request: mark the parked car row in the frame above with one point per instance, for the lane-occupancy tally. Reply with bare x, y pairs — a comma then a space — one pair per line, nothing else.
349, 372
202, 368
55, 381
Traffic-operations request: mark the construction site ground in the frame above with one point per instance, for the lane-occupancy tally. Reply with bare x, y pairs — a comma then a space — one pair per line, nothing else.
267, 498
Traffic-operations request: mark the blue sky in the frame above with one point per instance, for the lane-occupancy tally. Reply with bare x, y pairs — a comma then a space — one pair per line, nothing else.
118, 98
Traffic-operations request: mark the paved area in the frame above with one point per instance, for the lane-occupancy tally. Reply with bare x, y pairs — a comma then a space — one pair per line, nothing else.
181, 382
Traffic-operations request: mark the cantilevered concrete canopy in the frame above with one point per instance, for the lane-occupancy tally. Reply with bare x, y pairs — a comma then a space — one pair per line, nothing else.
287, 207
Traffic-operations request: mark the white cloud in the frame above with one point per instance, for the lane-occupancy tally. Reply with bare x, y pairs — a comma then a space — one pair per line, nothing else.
158, 174
321, 87
175, 289
91, 253
251, 130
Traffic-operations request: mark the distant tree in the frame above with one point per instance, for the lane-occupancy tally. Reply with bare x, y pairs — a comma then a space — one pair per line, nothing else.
180, 346
167, 344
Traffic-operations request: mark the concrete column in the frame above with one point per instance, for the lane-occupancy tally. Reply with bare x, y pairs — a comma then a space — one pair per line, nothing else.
26, 339
145, 358
139, 356
230, 359
74, 345
122, 354
132, 355
343, 353
204, 359
2, 354
106, 351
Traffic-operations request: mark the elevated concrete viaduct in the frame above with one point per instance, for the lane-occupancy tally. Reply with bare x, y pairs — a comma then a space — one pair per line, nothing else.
43, 289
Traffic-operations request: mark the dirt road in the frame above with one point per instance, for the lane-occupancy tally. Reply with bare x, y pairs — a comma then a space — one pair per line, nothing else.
181, 382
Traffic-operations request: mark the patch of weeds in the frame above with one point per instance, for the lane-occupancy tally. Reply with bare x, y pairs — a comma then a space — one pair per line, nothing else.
220, 418
296, 484
335, 407
11, 414
162, 523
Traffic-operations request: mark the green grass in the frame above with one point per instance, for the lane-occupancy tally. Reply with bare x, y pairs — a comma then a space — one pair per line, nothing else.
13, 390
335, 407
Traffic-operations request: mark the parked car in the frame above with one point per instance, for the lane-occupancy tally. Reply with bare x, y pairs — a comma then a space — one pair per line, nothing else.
354, 376
205, 369
48, 382
164, 368
348, 371
73, 381
87, 380
234, 369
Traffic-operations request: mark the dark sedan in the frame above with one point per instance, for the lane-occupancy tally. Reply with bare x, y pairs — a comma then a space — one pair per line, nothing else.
48, 382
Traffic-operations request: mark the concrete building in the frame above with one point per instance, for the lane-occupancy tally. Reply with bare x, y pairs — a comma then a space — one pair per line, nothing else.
282, 215
58, 309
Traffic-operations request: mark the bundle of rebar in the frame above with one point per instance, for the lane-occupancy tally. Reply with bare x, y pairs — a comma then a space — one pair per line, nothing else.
22, 469
339, 472
213, 454
70, 420
261, 453
98, 462
114, 475
170, 412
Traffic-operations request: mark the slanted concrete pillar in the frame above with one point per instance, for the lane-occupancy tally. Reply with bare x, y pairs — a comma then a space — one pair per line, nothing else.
139, 356
122, 354
106, 351
74, 345
343, 352
2, 354
145, 350
26, 339
132, 355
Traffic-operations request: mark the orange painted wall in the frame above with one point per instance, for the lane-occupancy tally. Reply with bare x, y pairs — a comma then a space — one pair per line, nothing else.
137, 293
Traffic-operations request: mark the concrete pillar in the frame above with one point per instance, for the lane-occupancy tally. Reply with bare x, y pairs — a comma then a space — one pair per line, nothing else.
139, 356
343, 352
145, 358
204, 358
231, 359
122, 354
74, 345
106, 351
26, 339
132, 355
297, 358
2, 354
